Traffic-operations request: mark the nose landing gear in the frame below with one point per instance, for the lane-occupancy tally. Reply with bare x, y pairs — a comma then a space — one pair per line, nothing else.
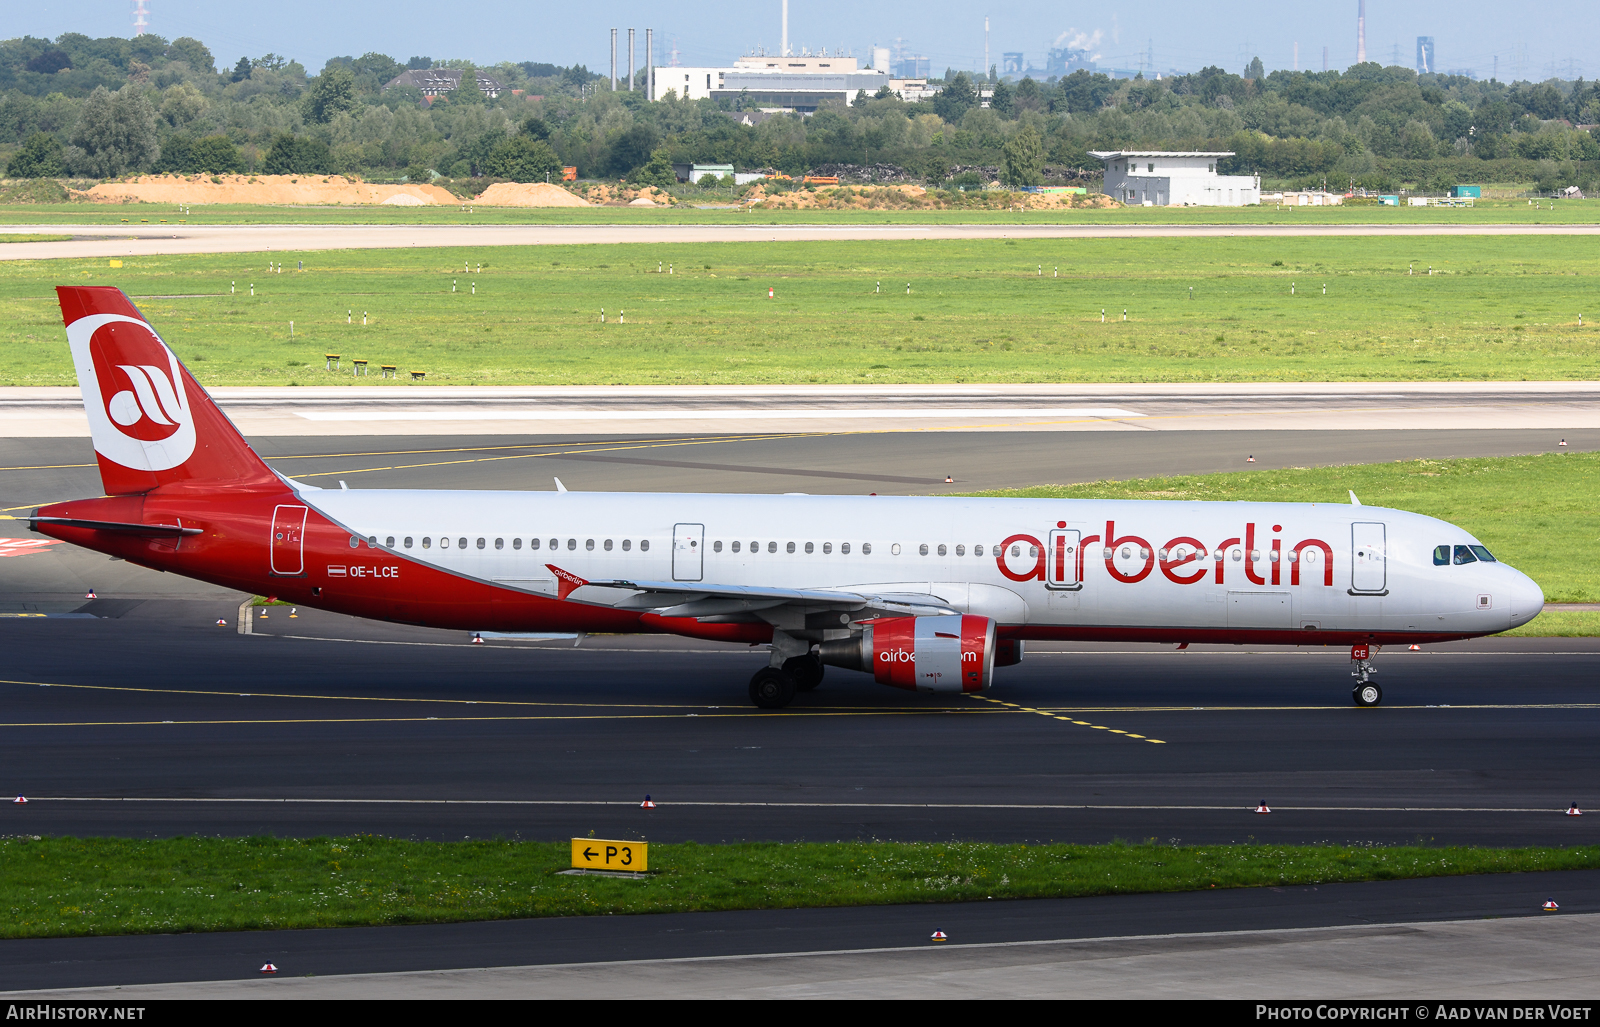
1366, 692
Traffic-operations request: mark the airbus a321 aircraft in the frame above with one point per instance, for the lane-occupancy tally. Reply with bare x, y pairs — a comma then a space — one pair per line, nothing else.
924, 593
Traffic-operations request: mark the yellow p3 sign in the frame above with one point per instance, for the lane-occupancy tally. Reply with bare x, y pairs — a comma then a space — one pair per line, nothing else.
601, 854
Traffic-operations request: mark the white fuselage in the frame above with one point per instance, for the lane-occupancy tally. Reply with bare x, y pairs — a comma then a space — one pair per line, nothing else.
1037, 564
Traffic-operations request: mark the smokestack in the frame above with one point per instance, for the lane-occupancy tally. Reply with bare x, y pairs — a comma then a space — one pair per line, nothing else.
785, 29
986, 46
649, 65
1361, 32
613, 60
630, 60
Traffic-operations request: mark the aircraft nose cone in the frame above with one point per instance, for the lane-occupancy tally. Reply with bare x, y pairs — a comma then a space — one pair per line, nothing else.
1527, 600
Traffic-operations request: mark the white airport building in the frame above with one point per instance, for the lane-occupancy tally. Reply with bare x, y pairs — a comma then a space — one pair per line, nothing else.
1166, 178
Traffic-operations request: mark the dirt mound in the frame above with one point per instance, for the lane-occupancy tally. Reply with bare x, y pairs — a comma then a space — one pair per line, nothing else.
915, 197
606, 194
404, 200
529, 194
311, 189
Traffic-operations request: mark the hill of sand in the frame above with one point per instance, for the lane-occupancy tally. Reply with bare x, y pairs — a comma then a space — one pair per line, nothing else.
311, 189
529, 194
915, 197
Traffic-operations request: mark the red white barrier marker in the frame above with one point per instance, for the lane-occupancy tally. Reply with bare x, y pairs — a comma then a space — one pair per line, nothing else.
1263, 807
1574, 811
647, 803
477, 639
939, 936
769, 292
1414, 648
19, 800
1549, 906
221, 623
269, 969
90, 595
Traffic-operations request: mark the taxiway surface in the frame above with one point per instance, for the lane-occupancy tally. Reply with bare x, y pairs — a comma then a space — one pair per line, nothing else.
107, 240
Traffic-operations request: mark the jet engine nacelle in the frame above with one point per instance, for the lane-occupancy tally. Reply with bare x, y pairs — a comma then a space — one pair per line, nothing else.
944, 653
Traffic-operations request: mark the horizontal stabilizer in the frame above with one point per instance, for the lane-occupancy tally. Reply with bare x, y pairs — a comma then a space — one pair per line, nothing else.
120, 527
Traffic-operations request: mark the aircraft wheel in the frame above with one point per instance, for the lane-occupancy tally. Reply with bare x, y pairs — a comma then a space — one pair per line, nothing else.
1368, 694
771, 688
806, 671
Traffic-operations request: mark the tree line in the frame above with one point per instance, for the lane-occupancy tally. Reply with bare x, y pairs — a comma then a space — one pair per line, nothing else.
99, 108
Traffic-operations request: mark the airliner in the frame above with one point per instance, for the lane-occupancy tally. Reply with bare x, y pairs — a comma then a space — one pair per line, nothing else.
925, 593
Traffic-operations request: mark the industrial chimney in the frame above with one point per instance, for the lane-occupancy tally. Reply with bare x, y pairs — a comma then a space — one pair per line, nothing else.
1361, 31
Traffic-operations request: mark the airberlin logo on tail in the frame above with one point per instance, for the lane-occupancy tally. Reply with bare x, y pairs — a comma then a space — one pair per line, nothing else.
133, 392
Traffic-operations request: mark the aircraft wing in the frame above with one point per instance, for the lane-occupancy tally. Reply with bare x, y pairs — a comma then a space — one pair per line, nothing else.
706, 599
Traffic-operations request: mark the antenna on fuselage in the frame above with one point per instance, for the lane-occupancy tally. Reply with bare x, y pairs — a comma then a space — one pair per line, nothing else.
1353, 500
562, 488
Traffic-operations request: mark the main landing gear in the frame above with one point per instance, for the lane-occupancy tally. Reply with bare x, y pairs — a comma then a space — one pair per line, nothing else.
1366, 692
773, 688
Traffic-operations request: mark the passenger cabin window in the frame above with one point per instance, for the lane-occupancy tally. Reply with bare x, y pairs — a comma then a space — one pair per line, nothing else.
481, 543
736, 547
1441, 556
426, 542
844, 547
389, 542
790, 548
461, 543
589, 545
444, 543
922, 550
772, 547
516, 543
533, 543
716, 547
408, 541
866, 549
627, 544
572, 543
977, 550
1464, 554
499, 543
810, 547
644, 545
827, 547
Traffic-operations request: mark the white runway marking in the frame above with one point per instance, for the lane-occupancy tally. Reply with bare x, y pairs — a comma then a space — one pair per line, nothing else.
758, 414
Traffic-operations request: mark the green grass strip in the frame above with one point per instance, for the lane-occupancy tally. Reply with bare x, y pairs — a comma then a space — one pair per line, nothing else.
34, 238
1536, 513
56, 887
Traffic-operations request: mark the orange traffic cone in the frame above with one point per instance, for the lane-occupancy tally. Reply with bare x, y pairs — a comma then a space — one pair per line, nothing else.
268, 968
769, 292
1263, 807
648, 803
949, 480
1549, 906
19, 799
1574, 811
939, 936
477, 639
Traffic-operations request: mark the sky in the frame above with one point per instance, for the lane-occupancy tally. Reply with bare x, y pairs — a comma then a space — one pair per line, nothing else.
1182, 35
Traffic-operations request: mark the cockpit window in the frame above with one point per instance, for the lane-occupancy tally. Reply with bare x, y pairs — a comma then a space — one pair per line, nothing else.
1464, 554
1484, 554
1441, 556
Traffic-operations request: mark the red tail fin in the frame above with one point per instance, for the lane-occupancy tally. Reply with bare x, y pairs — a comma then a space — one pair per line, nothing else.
152, 423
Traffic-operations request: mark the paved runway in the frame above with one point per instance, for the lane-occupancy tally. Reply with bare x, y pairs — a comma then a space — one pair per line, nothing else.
144, 240
1390, 938
335, 725
387, 408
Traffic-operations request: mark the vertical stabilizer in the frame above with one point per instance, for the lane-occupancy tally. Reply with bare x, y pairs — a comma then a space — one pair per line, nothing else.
152, 423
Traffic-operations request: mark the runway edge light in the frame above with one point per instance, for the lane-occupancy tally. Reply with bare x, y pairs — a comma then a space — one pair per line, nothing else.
221, 623
648, 803
1549, 906
1262, 808
939, 936
19, 799
268, 968
1574, 811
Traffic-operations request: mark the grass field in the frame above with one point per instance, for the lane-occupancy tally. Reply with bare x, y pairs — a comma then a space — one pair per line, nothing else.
1536, 513
1486, 212
34, 238
978, 311
66, 886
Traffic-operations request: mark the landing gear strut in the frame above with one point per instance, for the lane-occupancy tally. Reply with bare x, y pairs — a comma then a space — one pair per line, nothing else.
1366, 692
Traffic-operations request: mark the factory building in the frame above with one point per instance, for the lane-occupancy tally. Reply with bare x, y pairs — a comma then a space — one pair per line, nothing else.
1157, 178
791, 83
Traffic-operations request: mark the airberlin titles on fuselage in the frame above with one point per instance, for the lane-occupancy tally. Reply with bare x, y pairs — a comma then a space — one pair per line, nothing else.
1061, 563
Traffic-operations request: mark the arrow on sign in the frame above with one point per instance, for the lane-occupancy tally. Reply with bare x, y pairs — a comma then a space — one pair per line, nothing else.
587, 854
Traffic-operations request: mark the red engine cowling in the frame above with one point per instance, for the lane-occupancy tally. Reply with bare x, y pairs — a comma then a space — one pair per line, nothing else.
945, 653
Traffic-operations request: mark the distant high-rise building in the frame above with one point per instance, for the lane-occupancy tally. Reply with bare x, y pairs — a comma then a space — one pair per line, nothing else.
1425, 64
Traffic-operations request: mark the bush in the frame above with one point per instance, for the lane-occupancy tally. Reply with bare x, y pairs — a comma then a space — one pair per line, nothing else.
658, 172
298, 155
523, 159
40, 157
